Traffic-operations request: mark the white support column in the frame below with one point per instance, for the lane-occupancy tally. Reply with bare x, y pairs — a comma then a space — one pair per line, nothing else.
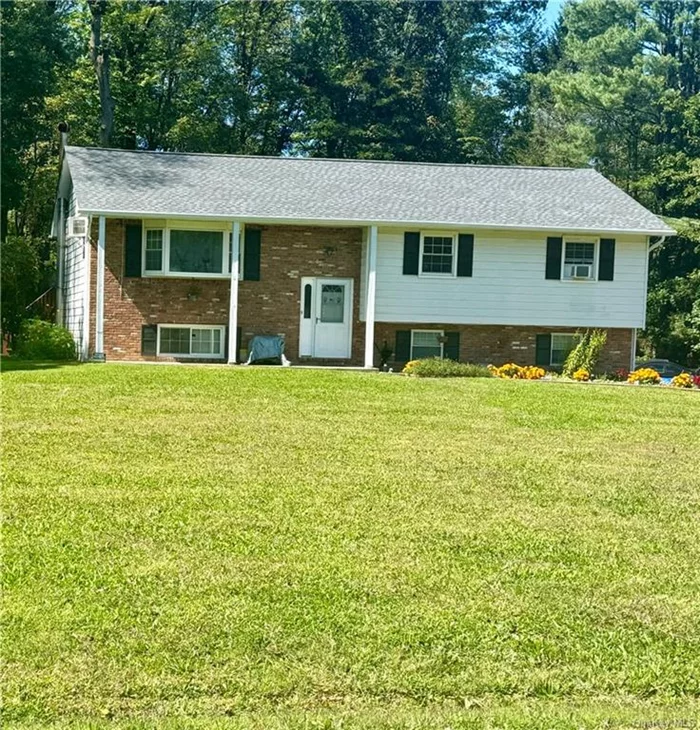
100, 293
233, 304
87, 255
371, 294
633, 350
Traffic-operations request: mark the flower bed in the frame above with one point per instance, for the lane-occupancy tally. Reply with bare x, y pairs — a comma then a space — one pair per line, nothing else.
438, 368
511, 371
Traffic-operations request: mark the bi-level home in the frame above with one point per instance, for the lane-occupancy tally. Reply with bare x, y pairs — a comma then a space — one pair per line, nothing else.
180, 256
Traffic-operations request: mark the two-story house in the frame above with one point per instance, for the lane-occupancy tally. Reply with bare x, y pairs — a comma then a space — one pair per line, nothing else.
179, 256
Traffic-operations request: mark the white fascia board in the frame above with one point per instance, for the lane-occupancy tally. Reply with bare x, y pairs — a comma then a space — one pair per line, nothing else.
349, 222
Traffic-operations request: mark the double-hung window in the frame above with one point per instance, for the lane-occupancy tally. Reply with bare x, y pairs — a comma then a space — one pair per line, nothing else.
196, 342
562, 345
154, 249
579, 260
185, 252
426, 343
438, 254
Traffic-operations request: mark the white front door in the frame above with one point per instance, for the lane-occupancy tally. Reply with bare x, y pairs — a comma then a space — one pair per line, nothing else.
326, 318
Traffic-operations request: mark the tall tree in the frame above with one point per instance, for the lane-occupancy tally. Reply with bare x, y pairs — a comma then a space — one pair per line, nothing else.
624, 95
99, 55
34, 47
403, 80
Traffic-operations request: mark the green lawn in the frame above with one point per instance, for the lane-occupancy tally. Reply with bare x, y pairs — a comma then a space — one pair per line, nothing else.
271, 548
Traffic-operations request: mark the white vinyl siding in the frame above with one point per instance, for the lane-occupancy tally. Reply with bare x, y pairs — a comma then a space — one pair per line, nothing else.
508, 286
75, 250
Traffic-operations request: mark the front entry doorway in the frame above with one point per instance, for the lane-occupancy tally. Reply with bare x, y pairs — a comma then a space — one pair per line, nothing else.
325, 328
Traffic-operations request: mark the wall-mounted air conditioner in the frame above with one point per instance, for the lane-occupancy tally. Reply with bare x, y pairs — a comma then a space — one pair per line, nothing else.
581, 271
77, 226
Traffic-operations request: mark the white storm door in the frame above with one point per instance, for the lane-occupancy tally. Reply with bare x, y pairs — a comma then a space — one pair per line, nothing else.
332, 318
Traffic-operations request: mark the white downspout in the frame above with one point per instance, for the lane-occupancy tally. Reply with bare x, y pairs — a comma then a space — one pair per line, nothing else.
657, 244
61, 253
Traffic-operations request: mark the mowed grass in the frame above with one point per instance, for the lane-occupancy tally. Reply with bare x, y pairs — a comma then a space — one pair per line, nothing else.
230, 548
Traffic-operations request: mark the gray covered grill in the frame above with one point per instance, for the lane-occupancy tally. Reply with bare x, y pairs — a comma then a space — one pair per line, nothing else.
266, 348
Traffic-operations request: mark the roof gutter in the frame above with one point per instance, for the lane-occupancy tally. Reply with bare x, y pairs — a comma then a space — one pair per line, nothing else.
441, 225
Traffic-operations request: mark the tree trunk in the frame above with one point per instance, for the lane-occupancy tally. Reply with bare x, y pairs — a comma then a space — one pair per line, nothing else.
99, 55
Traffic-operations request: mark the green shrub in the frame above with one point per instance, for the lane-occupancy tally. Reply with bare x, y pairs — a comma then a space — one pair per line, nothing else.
586, 353
41, 340
434, 367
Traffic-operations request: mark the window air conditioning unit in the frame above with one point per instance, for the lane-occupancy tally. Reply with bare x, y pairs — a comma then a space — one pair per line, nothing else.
77, 226
581, 271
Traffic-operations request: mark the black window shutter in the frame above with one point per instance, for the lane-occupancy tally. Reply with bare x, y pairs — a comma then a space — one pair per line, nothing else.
149, 337
451, 347
251, 254
543, 350
411, 252
553, 268
132, 250
465, 254
606, 260
402, 351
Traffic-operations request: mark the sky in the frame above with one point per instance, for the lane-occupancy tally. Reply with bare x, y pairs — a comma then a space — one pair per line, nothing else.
552, 12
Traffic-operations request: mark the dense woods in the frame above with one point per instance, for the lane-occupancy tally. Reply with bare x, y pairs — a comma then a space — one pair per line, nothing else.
614, 84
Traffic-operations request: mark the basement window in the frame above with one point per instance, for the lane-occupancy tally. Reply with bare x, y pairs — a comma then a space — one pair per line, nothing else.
562, 345
197, 342
426, 343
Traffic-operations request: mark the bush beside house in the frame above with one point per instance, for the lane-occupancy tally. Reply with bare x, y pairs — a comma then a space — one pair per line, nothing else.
41, 340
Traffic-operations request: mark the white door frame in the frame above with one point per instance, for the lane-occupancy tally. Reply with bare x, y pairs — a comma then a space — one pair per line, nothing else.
308, 325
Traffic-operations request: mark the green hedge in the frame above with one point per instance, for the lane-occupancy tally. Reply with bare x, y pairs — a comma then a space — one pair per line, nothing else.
434, 367
40, 340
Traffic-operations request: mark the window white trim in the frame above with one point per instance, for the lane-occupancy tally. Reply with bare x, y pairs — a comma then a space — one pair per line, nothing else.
440, 333
165, 262
437, 274
551, 343
197, 355
594, 266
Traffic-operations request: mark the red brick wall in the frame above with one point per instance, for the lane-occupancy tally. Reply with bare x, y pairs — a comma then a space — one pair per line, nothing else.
269, 306
498, 344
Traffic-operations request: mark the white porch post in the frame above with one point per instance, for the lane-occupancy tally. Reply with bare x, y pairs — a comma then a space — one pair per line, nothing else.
100, 293
233, 304
87, 255
371, 293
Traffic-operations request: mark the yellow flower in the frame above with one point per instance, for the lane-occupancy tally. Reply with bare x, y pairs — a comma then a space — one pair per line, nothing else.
684, 380
581, 375
644, 376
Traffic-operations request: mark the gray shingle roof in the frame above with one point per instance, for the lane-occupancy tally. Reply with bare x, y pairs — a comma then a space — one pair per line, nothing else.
347, 191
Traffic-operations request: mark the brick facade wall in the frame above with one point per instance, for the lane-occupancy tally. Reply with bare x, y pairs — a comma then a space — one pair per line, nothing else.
272, 305
498, 344
269, 306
